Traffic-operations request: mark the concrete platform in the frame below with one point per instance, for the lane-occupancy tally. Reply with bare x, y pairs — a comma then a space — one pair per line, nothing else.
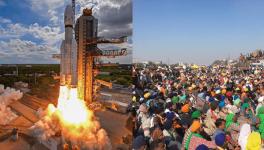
24, 111
21, 123
21, 144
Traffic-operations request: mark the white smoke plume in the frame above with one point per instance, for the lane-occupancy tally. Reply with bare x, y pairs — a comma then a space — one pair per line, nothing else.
7, 96
49, 126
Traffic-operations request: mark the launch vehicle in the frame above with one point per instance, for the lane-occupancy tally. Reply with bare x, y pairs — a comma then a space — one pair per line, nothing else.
68, 64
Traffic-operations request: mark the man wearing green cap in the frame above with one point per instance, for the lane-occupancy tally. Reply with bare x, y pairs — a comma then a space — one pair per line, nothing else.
196, 114
175, 99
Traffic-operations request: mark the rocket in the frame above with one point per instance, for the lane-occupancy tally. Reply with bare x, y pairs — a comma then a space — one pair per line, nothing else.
68, 64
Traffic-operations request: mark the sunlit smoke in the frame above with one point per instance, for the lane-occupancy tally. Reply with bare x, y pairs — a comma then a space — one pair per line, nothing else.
8, 96
75, 121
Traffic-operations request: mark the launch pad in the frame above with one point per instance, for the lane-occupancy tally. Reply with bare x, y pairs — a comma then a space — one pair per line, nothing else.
28, 108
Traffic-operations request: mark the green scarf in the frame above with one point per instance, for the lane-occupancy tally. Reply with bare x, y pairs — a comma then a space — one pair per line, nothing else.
189, 139
229, 120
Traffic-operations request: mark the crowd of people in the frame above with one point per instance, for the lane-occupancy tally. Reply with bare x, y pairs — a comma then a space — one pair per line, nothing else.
184, 108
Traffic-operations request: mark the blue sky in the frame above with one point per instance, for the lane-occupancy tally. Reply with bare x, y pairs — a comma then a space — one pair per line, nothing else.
32, 30
196, 31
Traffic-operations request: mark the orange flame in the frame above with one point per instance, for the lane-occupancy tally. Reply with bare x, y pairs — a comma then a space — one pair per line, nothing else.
73, 114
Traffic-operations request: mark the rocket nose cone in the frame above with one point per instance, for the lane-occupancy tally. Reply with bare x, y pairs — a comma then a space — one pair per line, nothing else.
68, 10
68, 15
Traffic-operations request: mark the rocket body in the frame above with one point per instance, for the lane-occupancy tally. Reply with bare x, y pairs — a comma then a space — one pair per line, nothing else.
68, 64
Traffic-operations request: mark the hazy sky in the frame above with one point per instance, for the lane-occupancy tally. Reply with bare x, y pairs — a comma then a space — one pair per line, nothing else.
197, 31
32, 30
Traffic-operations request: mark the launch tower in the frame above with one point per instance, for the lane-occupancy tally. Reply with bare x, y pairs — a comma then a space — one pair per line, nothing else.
86, 28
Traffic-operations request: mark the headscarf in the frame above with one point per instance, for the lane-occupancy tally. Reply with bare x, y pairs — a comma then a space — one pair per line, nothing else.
243, 136
221, 104
229, 94
183, 98
195, 126
237, 102
235, 97
246, 89
147, 95
217, 91
220, 139
254, 141
175, 99
211, 99
134, 99
202, 147
223, 91
243, 95
196, 114
229, 119
213, 93
148, 102
245, 106
185, 108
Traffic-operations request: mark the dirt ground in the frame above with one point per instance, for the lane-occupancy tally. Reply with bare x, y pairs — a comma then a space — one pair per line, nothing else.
114, 124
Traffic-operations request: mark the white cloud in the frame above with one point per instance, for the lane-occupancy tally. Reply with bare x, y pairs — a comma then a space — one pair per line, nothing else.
12, 31
53, 16
48, 8
115, 16
24, 49
17, 50
115, 19
43, 4
4, 20
49, 35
